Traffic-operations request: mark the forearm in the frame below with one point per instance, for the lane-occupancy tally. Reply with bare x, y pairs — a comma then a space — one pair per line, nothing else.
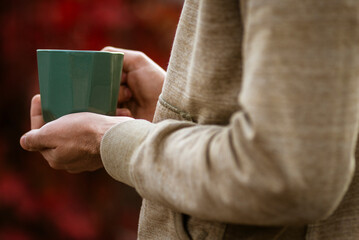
229, 174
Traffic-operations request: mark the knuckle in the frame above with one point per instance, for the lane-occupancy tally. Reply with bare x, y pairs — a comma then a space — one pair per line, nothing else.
42, 133
108, 49
140, 55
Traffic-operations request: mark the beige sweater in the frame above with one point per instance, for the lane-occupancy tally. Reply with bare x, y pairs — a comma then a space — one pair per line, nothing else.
263, 100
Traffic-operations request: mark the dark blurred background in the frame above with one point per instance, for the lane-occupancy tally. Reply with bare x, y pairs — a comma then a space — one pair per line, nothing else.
37, 202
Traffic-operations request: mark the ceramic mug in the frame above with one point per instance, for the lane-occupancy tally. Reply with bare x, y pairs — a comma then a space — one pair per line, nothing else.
78, 81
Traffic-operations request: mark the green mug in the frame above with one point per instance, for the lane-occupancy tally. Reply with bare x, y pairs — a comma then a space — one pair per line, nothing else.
78, 81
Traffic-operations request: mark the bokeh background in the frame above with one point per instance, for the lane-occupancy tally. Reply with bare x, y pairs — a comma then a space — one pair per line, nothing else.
37, 202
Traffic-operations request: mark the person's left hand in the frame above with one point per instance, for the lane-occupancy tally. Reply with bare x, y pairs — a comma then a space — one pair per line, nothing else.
72, 142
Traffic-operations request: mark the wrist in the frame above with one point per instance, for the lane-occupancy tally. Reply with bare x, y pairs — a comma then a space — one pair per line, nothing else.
108, 122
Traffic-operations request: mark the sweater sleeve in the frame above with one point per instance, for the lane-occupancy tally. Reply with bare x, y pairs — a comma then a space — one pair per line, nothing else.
287, 156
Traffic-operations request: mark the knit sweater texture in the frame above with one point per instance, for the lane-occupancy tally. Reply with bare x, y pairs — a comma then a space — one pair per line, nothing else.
255, 131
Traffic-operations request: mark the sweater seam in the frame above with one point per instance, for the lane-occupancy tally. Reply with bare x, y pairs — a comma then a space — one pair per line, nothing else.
174, 109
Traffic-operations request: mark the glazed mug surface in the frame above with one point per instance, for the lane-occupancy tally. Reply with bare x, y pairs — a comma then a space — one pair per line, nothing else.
78, 81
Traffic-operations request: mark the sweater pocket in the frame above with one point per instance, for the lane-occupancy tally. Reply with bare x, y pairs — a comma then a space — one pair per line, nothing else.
188, 227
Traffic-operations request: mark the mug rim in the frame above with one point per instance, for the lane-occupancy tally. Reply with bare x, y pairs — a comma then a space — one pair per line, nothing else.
77, 51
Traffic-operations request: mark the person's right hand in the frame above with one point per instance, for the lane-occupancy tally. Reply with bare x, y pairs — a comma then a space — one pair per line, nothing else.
141, 84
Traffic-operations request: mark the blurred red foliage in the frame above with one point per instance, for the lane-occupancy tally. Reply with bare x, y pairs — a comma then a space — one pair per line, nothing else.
37, 202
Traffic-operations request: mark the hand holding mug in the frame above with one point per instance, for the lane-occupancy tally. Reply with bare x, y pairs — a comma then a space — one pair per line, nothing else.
71, 142
141, 84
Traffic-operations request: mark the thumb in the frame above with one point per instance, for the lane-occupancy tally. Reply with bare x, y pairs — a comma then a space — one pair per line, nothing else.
37, 120
32, 141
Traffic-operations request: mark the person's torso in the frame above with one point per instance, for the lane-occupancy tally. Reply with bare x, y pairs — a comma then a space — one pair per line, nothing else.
203, 82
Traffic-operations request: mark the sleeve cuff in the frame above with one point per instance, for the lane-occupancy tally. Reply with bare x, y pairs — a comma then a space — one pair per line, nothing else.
118, 145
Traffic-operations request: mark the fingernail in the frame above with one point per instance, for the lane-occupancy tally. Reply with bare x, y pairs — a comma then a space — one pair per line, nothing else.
123, 112
23, 141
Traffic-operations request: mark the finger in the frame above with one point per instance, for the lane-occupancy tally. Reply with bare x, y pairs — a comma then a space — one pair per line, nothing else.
34, 141
124, 112
124, 78
132, 59
125, 94
79, 167
61, 159
36, 118
50, 157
